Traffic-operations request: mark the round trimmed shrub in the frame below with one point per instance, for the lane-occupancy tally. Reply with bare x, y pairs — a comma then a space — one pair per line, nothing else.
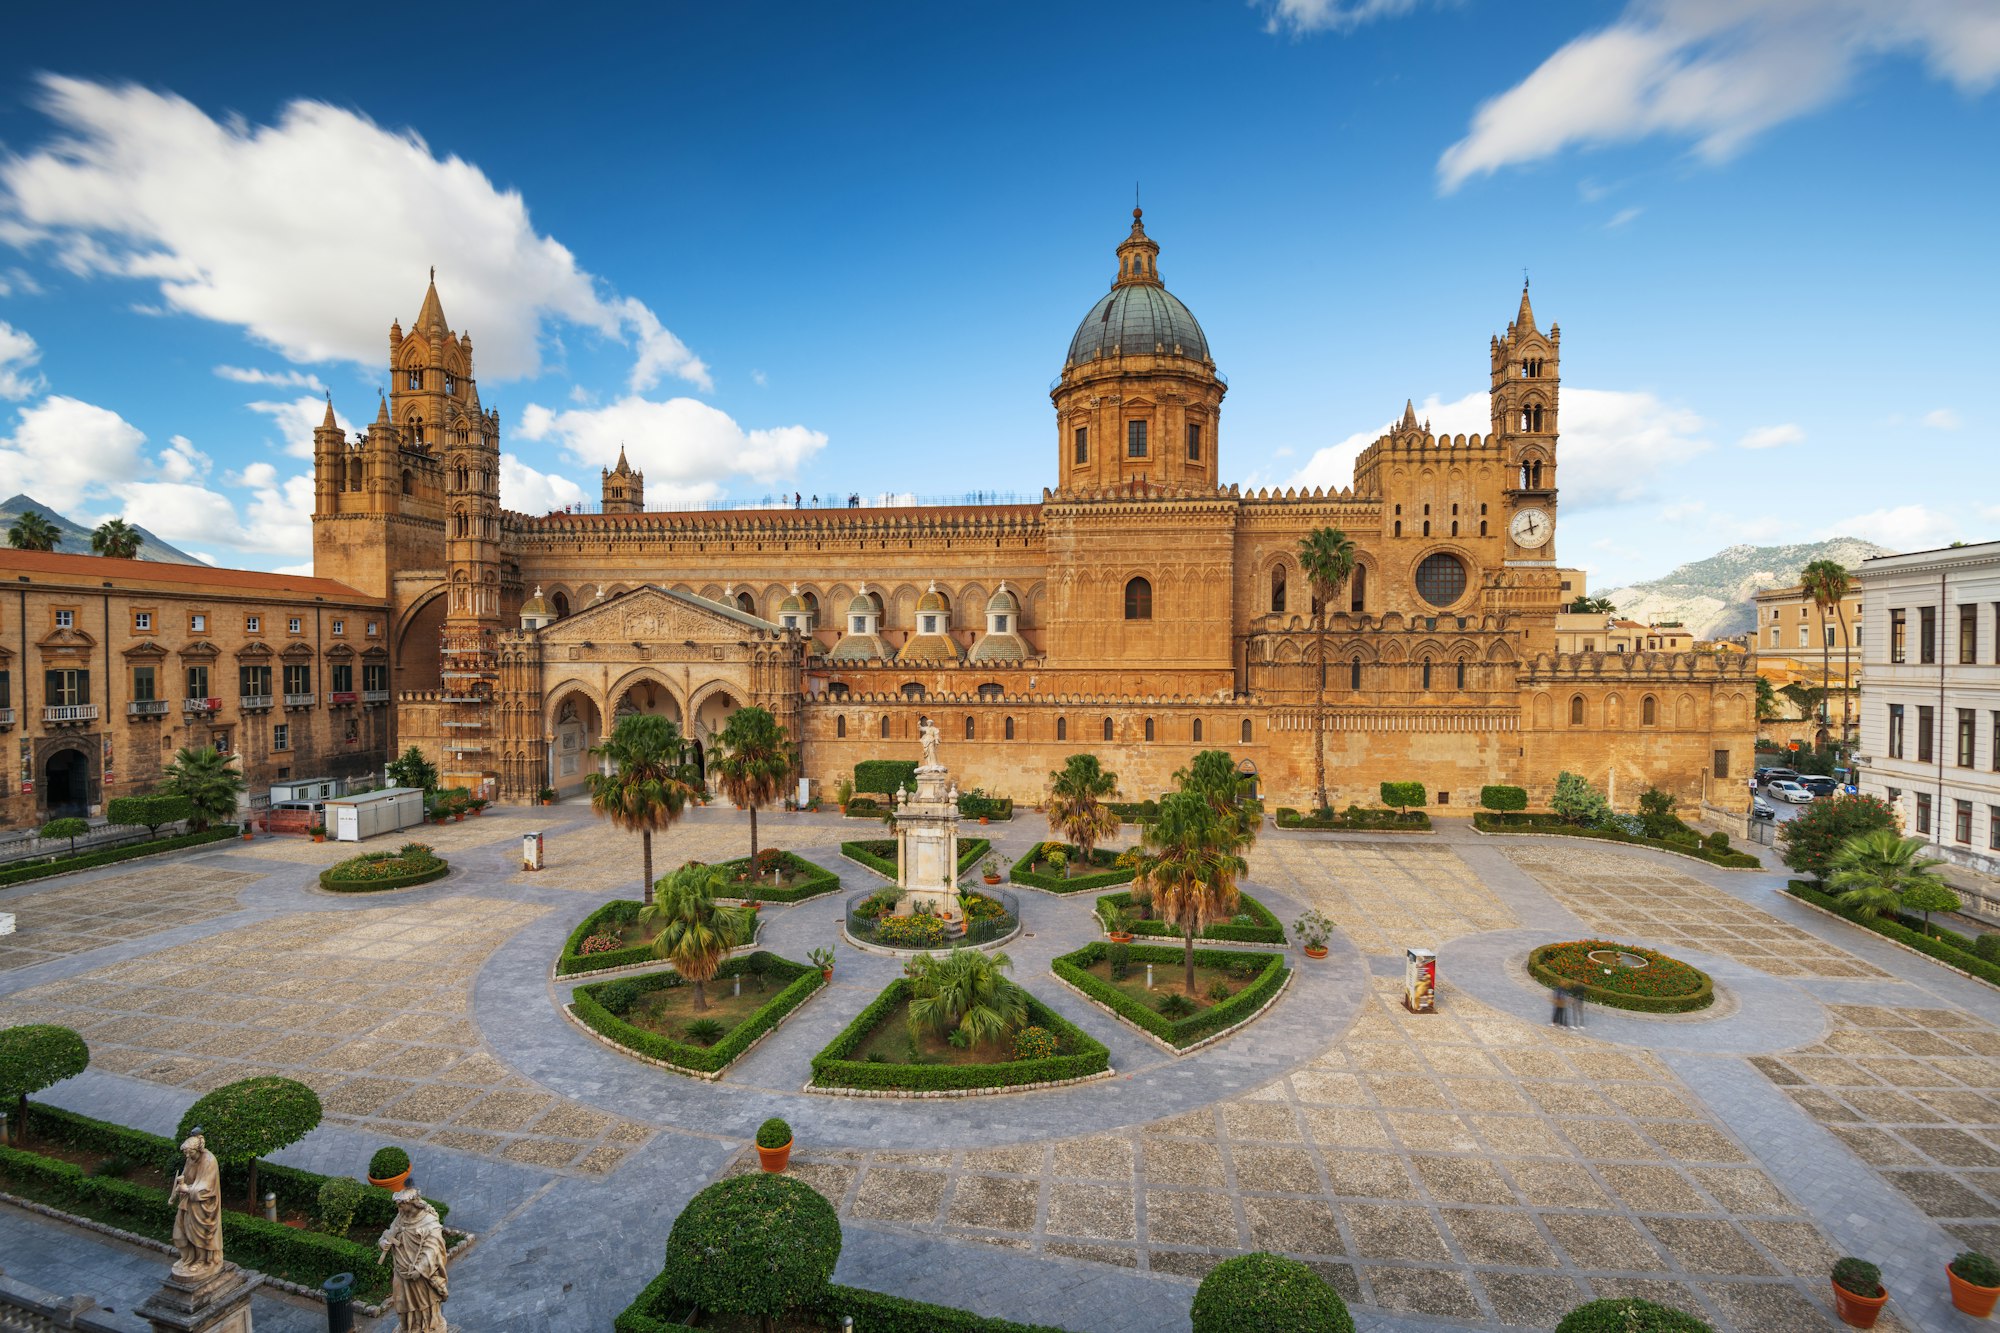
388, 1163
37, 1056
338, 1198
1255, 1292
252, 1118
1630, 1315
757, 1245
773, 1133
1035, 1043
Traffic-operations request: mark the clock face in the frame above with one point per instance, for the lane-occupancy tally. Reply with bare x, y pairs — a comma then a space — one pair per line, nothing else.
1531, 528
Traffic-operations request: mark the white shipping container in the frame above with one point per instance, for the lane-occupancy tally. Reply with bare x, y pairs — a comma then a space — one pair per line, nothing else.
353, 818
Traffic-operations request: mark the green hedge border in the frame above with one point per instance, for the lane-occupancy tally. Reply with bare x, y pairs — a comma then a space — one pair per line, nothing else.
1373, 821
1643, 1004
1096, 879
619, 912
305, 1257
1179, 1033
328, 882
1969, 963
681, 1055
832, 1069
819, 880
1554, 826
970, 850
653, 1311
1268, 929
21, 874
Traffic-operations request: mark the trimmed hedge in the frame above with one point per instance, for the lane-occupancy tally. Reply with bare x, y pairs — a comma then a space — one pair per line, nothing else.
1180, 1032
1625, 1314
1268, 929
424, 866
885, 777
1134, 812
879, 854
1357, 819
62, 865
1970, 963
818, 880
618, 912
658, 1310
155, 811
978, 805
1700, 998
832, 1069
1096, 879
1403, 795
1498, 797
588, 1005
1556, 825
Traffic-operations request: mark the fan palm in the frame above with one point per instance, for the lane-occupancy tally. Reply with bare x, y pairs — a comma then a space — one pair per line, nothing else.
644, 793
209, 780
1077, 812
1826, 582
116, 538
963, 992
1188, 863
751, 759
1327, 557
1873, 870
694, 934
1212, 776
33, 532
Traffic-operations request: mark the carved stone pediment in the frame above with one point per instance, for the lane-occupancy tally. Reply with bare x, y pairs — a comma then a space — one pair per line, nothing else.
296, 651
339, 652
70, 640
254, 650
201, 648
653, 614
145, 652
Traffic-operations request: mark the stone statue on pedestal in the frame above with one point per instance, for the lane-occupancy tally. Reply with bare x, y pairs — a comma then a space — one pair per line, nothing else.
927, 733
202, 1294
414, 1245
197, 1198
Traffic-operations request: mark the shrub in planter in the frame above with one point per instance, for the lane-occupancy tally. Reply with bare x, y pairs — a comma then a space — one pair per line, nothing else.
1858, 1293
1503, 798
252, 1118
757, 1246
1975, 1283
33, 1057
1630, 1315
388, 1163
1253, 1293
1403, 795
773, 1133
338, 1198
1857, 1276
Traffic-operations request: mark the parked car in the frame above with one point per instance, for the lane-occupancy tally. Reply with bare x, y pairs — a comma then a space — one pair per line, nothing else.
1786, 790
1763, 809
1820, 786
1767, 776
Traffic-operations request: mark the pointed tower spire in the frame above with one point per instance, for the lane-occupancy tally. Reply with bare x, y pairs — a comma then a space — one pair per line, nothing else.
624, 469
432, 313
329, 423
1409, 413
1524, 321
1138, 256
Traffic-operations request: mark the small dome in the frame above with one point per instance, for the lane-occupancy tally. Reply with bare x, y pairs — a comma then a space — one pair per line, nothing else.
863, 605
1139, 320
792, 605
537, 606
1002, 603
932, 600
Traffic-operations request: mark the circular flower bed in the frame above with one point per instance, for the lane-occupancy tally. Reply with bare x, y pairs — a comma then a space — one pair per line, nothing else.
372, 872
1663, 986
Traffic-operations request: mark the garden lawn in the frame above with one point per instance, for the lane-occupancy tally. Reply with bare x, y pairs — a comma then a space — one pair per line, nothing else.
667, 1013
1170, 979
1252, 924
1101, 872
889, 1042
1664, 985
792, 879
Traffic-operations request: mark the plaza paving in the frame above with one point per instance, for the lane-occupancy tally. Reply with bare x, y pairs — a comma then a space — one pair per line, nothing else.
1470, 1169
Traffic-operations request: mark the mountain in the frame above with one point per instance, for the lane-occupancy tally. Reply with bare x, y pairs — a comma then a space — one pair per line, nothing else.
76, 537
1712, 597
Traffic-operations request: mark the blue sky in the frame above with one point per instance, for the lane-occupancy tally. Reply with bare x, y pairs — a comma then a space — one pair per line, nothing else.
843, 248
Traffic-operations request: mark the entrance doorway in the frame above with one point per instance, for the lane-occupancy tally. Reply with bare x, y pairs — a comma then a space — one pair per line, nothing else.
66, 783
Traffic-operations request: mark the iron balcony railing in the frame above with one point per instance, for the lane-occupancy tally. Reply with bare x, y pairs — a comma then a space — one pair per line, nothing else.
375, 696
210, 704
6, 717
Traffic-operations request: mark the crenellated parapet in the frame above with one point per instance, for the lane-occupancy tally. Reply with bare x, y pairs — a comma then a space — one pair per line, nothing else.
958, 699
759, 527
1579, 668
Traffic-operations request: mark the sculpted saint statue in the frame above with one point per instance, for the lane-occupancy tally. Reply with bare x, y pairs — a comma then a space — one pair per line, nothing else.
927, 732
414, 1245
197, 1198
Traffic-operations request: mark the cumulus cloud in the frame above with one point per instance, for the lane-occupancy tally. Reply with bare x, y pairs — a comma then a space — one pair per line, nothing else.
64, 450
1911, 527
277, 379
687, 449
1942, 418
1303, 16
259, 226
1717, 73
18, 354
1333, 466
1771, 437
531, 492
295, 420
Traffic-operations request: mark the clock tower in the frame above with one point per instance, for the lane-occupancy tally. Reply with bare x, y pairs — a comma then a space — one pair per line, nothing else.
1525, 401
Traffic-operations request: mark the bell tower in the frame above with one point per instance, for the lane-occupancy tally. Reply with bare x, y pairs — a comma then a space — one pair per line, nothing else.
1526, 397
624, 490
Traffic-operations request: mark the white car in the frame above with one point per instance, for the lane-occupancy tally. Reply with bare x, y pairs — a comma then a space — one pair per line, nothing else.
1788, 791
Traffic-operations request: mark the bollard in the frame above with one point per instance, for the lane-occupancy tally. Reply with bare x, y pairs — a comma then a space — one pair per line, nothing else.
339, 1290
1149, 976
271, 1206
739, 985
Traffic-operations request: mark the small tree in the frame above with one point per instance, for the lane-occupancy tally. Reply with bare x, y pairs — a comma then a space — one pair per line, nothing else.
34, 1057
33, 532
68, 827
964, 997
1212, 776
1504, 798
116, 538
1873, 871
751, 759
1077, 812
252, 1118
757, 1246
1403, 795
1326, 558
1809, 843
1656, 812
1767, 700
209, 781
645, 791
1928, 898
1187, 865
411, 769
155, 811
1577, 802
694, 934
1592, 606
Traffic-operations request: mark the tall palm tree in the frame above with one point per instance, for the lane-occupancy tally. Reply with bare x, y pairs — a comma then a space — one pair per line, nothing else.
1188, 863
963, 996
694, 934
644, 792
1327, 557
1872, 870
209, 780
116, 538
1592, 606
32, 532
751, 760
1212, 775
1826, 582
1077, 812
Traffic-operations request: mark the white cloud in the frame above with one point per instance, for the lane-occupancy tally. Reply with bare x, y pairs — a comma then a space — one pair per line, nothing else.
1717, 72
310, 233
687, 449
17, 353
1911, 527
1333, 466
758, 378
295, 420
1942, 418
277, 379
1771, 437
64, 449
1621, 217
531, 492
1301, 16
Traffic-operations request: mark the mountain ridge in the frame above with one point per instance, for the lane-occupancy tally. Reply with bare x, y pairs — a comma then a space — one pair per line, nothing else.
1714, 596
76, 537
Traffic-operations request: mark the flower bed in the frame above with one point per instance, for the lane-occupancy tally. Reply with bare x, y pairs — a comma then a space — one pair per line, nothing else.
1556, 825
879, 854
658, 1310
1664, 986
1355, 818
1077, 1056
1941, 950
1023, 873
373, 872
598, 944
21, 873
1179, 1033
801, 878
593, 1006
1252, 924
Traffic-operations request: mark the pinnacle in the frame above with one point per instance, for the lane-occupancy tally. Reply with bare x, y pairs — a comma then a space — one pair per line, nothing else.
432, 312
329, 423
1525, 319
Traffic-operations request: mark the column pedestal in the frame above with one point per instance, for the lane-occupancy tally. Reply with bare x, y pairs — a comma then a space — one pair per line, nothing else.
219, 1303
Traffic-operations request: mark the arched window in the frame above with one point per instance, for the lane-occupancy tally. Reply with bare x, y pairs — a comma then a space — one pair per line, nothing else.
1107, 728
1482, 527
561, 603
746, 603
1454, 527
1427, 673
1576, 710
1461, 673
1357, 587
354, 475
1246, 731
1197, 731
840, 727
1062, 728
971, 731
1354, 674
1149, 728
1427, 527
1538, 417
416, 429
912, 690
838, 689
1008, 733
1648, 711
991, 690
1398, 529
409, 483
415, 380
1278, 591
1138, 600
885, 727
450, 384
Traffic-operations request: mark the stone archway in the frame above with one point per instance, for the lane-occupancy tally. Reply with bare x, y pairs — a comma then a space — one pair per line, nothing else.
66, 782
712, 705
648, 694
577, 727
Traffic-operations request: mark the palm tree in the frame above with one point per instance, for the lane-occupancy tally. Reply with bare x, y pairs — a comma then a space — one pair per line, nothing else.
1188, 864
964, 997
33, 532
751, 760
694, 934
1212, 775
1327, 557
1592, 606
209, 780
116, 538
1077, 813
644, 792
1827, 582
1873, 870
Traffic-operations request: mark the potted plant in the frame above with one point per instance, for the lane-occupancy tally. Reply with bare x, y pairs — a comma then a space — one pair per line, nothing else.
751, 904
478, 806
823, 960
1118, 923
1314, 931
774, 1144
1858, 1293
1975, 1283
843, 791
318, 832
547, 796
990, 868
389, 1168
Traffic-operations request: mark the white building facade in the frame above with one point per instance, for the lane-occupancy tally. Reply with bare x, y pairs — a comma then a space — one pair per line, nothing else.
1930, 697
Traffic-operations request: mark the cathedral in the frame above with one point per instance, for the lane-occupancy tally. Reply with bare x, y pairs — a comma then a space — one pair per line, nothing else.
1142, 611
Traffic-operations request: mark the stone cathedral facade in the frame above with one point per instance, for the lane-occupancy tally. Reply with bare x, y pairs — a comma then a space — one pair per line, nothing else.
1144, 610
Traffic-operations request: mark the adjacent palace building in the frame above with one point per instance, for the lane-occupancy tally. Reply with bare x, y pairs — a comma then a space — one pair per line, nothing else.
1143, 610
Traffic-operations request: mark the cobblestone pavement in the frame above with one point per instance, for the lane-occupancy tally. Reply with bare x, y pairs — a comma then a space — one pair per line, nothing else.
1385, 895
458, 835
57, 922
1615, 892
593, 859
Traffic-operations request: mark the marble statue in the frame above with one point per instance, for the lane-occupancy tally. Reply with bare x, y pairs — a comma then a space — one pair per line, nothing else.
927, 732
197, 1199
1906, 814
414, 1245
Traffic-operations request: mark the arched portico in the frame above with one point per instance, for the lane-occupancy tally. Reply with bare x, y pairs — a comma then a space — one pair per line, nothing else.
576, 724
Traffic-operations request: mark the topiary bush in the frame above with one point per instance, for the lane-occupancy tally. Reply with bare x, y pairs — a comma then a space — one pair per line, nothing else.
338, 1199
1503, 798
757, 1245
1718, 841
773, 1133
1630, 1315
37, 1056
388, 1163
1403, 795
154, 811
884, 777
252, 1118
1974, 1267
67, 827
1253, 1293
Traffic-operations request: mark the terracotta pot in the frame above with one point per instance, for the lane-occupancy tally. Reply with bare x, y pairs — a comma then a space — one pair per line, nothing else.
248, 835
1315, 951
1858, 1311
1975, 1301
544, 802
319, 837
991, 879
392, 1183
755, 907
826, 974
774, 1159
1120, 936
982, 819
843, 809
458, 818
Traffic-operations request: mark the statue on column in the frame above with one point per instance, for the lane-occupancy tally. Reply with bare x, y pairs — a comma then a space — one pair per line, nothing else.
927, 732
197, 1199
414, 1246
